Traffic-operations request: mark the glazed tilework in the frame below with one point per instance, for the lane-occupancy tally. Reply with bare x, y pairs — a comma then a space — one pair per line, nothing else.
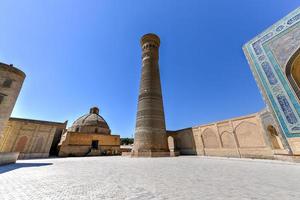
268, 54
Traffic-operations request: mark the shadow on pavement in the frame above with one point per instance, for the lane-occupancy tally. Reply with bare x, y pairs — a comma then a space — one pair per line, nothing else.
10, 167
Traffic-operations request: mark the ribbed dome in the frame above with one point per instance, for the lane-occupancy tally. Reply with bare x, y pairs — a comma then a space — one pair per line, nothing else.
91, 123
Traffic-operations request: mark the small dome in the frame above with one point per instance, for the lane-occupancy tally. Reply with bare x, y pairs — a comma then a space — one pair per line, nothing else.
91, 123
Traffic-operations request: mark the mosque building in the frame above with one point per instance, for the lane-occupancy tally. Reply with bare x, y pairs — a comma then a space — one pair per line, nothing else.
89, 135
273, 133
21, 138
11, 81
274, 59
253, 136
31, 138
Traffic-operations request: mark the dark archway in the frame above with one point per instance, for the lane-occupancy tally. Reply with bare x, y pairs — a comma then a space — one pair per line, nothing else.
171, 143
293, 72
274, 137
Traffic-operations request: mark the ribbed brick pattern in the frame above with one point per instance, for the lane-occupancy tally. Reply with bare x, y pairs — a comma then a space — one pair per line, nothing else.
150, 133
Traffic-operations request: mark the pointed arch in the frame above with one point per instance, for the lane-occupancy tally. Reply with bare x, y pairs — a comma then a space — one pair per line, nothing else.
228, 140
210, 139
171, 143
274, 137
292, 71
39, 145
249, 135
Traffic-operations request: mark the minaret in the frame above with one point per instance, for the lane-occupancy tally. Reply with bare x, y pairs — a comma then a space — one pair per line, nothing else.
150, 138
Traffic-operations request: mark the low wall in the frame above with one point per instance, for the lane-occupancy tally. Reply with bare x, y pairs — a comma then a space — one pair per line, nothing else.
242, 137
7, 158
33, 155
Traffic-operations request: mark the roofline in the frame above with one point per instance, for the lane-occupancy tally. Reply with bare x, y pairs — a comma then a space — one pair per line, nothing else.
13, 69
90, 133
221, 121
37, 121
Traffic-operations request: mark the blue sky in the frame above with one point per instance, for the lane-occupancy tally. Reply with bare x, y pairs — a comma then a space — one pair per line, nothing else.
79, 54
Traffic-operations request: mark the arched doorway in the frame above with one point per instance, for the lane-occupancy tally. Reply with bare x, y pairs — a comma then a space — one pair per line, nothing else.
293, 72
171, 143
274, 137
172, 146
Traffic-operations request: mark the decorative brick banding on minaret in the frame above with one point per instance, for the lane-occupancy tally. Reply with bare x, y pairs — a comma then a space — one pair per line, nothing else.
150, 138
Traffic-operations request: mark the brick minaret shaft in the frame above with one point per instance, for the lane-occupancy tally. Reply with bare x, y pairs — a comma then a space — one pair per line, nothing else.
150, 138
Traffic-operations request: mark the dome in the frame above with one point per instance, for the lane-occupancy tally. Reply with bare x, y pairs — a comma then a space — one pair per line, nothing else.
91, 123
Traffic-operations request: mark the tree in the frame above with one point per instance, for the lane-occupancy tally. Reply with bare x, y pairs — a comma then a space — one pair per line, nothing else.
126, 141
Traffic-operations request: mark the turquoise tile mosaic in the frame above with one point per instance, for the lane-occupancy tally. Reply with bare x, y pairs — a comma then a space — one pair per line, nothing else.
270, 76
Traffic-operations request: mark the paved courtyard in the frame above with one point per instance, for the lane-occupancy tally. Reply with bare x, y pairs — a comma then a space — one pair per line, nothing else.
145, 178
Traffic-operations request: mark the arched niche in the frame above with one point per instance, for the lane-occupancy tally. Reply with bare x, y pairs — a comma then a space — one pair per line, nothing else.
274, 137
171, 143
228, 140
249, 135
210, 139
21, 144
39, 145
293, 72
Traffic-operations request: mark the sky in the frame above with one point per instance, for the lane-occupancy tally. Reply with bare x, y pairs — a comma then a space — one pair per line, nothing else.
83, 53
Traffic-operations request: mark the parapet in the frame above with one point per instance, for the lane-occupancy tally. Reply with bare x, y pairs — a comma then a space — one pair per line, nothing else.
150, 38
12, 69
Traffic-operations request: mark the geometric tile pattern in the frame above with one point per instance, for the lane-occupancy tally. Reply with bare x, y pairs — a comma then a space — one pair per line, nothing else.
266, 65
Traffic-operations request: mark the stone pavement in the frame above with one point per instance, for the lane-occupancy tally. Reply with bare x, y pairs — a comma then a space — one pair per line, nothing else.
149, 178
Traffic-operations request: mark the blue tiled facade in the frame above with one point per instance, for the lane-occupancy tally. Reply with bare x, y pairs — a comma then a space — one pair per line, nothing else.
271, 77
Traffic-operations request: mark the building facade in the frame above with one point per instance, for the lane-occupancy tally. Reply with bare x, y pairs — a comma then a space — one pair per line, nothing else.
251, 136
274, 59
11, 81
89, 135
31, 138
